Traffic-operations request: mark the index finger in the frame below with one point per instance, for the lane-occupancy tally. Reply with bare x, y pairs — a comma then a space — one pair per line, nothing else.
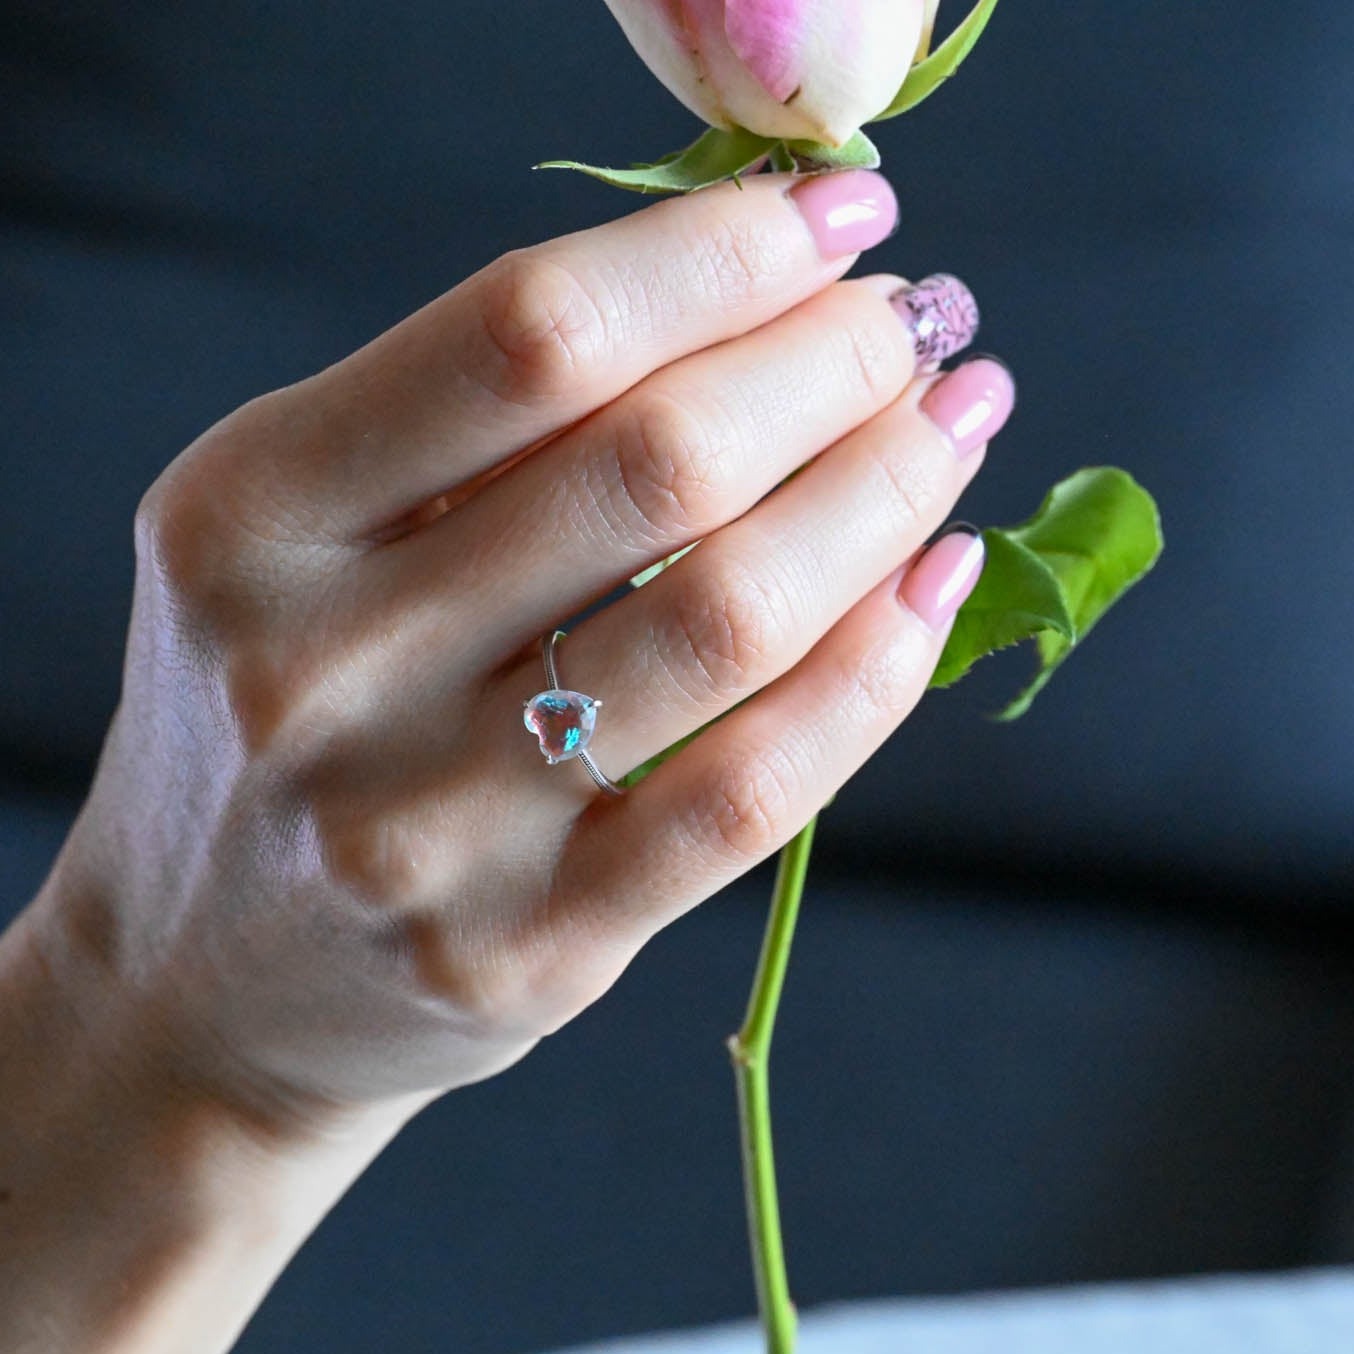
544, 335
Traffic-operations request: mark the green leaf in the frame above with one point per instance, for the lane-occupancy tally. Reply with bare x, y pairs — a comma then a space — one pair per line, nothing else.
713, 156
813, 157
1017, 597
1051, 578
927, 75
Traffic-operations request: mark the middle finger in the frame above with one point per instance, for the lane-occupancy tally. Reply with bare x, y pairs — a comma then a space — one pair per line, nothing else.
686, 451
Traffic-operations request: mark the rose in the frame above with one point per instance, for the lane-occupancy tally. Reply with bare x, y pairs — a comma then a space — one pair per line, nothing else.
787, 83
804, 69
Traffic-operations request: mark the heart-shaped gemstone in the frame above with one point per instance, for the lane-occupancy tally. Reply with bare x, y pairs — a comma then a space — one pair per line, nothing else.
563, 721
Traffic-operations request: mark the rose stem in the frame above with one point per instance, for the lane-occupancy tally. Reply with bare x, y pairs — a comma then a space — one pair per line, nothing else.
750, 1050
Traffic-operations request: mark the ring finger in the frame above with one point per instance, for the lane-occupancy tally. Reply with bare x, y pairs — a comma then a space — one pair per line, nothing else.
749, 602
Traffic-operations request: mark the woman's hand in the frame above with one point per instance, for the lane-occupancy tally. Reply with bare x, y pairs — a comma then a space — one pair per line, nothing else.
323, 873
322, 856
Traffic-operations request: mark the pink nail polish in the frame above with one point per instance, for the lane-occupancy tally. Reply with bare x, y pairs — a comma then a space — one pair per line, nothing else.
937, 584
942, 315
847, 210
970, 403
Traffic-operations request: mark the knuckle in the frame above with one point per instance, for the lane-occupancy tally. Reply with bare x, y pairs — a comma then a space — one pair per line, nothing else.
454, 974
489, 969
488, 972
206, 529
380, 860
545, 331
496, 998
910, 484
883, 681
664, 481
724, 632
738, 256
176, 533
284, 697
875, 358
472, 974
750, 808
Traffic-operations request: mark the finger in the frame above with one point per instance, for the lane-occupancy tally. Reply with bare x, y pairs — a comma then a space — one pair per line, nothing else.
725, 620
747, 784
688, 449
753, 599
544, 335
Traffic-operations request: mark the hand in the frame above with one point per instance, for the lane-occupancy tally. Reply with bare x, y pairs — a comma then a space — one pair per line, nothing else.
321, 853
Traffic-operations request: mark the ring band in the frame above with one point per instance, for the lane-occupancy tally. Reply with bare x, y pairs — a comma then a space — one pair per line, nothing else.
563, 720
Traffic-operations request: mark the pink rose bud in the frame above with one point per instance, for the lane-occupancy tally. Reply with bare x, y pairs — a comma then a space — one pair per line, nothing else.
811, 70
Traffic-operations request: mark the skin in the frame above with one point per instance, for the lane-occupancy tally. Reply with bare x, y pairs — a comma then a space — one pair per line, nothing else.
324, 875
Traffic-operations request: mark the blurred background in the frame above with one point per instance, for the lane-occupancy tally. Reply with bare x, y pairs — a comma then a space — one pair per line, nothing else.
1072, 998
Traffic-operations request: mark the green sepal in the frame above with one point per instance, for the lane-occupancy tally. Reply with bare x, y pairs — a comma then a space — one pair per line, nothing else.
642, 164
1052, 577
713, 156
781, 159
812, 157
644, 575
928, 74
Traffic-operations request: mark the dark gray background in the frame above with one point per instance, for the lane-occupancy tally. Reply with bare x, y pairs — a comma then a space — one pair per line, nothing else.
1074, 997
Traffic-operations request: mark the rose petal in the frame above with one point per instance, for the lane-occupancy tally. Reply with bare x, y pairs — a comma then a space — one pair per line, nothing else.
767, 36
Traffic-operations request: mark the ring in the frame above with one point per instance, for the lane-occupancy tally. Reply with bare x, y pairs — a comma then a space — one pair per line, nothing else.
564, 720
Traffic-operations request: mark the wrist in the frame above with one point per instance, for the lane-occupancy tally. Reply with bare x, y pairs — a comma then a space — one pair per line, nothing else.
145, 1205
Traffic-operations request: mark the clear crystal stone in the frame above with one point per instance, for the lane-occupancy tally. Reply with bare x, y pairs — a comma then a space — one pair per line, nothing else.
563, 721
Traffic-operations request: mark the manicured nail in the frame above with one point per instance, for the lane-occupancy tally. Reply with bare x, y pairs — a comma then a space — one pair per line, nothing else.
942, 315
936, 585
847, 210
970, 403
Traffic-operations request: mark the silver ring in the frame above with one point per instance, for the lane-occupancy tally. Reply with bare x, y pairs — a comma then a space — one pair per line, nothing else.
563, 720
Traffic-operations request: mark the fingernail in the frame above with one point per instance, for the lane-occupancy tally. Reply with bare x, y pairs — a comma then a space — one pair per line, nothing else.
970, 403
941, 313
847, 210
937, 584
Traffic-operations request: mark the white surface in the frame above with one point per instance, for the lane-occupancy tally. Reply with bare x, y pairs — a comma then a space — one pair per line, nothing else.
1300, 1312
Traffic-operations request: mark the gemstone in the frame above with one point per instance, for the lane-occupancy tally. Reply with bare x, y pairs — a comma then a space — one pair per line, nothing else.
563, 721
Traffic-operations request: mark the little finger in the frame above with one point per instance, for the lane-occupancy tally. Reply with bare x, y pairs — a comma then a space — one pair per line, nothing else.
747, 784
